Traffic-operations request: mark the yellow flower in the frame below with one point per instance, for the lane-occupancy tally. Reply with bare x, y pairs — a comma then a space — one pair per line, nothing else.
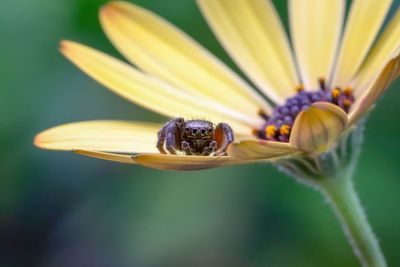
340, 69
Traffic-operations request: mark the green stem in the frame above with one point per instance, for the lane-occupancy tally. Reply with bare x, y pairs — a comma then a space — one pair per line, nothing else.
346, 204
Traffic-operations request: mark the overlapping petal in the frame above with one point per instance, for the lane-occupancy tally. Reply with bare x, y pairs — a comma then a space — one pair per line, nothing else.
121, 158
166, 161
253, 35
390, 73
364, 22
260, 149
151, 92
159, 48
318, 128
316, 27
186, 163
385, 49
109, 136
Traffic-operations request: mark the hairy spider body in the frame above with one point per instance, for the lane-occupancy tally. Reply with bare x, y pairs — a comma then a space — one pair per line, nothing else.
194, 137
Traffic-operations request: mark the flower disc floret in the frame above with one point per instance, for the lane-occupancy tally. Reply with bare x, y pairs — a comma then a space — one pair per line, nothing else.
278, 126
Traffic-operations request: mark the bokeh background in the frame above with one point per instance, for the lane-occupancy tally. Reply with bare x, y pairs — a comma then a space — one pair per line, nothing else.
60, 209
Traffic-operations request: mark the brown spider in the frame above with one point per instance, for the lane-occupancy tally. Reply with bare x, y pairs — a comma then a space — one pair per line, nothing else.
194, 137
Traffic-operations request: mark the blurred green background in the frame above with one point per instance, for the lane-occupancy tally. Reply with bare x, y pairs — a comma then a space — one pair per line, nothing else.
60, 209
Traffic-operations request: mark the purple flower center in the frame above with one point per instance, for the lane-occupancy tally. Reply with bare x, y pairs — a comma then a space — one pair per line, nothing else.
278, 126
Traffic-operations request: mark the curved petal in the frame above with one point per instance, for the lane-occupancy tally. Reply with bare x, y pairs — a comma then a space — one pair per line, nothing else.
186, 163
317, 128
390, 73
150, 92
316, 28
121, 158
253, 35
260, 149
364, 22
159, 48
167, 162
385, 48
110, 136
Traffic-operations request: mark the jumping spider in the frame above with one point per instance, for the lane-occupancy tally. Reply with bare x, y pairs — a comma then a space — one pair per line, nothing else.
194, 137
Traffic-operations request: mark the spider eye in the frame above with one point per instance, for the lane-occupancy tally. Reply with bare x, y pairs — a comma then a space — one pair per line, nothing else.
194, 131
187, 130
203, 131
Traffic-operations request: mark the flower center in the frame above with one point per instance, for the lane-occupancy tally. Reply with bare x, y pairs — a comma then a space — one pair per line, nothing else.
278, 126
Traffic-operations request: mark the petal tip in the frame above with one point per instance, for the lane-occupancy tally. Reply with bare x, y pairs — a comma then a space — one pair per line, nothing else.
79, 151
113, 6
37, 141
65, 46
41, 140
108, 8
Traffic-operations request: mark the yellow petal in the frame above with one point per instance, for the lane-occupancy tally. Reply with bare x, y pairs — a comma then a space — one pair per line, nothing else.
316, 28
364, 22
111, 136
186, 163
260, 149
385, 49
159, 48
253, 35
390, 73
107, 156
317, 128
165, 162
150, 92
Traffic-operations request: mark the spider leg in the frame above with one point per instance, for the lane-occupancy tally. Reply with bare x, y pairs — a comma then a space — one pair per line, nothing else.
186, 148
224, 136
210, 149
161, 140
170, 136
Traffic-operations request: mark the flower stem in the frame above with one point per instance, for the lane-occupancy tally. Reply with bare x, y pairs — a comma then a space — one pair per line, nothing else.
346, 204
